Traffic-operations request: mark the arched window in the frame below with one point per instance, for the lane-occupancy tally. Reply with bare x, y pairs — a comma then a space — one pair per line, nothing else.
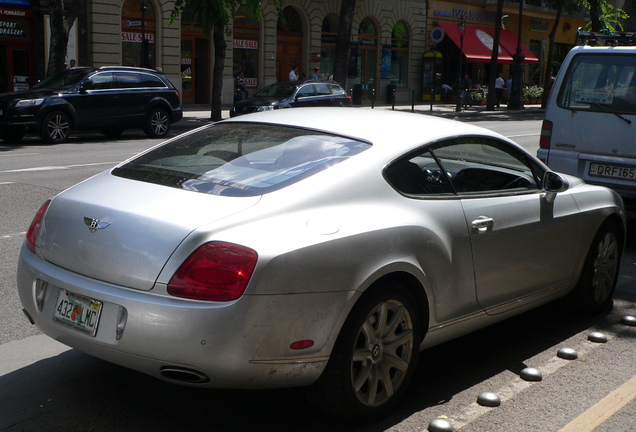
328, 44
368, 55
399, 54
137, 18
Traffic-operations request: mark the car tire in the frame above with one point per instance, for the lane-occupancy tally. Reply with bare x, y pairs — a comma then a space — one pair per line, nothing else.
377, 348
12, 135
56, 127
114, 132
595, 288
157, 123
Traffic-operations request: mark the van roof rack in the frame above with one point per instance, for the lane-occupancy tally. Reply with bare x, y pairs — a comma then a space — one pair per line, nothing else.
606, 38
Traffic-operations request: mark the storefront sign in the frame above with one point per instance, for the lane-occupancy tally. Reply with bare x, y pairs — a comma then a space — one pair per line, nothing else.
468, 15
136, 37
245, 44
539, 26
8, 28
251, 82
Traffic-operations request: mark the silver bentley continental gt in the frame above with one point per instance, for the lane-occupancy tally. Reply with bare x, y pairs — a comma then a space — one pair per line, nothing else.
320, 247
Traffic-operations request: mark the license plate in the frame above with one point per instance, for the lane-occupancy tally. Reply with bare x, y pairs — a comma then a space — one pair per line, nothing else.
78, 312
612, 171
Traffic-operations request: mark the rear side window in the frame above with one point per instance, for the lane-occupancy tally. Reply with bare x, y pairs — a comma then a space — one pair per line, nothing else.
241, 159
600, 82
128, 80
152, 81
335, 89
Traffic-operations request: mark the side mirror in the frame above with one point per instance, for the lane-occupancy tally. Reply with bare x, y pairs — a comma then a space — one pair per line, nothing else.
553, 183
85, 85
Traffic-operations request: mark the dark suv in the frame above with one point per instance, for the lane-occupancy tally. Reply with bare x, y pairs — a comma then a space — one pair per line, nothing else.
110, 99
290, 94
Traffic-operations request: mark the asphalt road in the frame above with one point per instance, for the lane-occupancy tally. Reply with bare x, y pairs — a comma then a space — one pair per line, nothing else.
44, 386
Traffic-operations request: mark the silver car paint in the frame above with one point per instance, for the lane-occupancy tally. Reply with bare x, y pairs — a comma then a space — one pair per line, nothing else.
320, 245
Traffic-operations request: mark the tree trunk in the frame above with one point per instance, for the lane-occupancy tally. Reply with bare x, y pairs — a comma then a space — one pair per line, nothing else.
594, 16
220, 47
343, 39
62, 16
548, 69
492, 95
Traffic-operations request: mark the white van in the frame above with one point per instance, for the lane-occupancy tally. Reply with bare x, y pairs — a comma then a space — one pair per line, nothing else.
589, 128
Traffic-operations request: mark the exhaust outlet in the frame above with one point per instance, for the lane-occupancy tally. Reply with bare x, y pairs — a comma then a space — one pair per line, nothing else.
183, 375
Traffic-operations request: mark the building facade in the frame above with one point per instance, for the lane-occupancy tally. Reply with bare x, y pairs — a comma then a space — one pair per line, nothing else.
410, 46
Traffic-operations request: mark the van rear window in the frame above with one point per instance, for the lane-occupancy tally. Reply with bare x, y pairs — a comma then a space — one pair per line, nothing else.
604, 83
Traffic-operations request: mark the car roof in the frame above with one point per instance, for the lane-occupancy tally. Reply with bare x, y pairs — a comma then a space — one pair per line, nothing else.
394, 131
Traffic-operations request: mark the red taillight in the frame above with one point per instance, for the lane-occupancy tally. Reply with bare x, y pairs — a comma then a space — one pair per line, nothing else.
546, 134
215, 271
32, 233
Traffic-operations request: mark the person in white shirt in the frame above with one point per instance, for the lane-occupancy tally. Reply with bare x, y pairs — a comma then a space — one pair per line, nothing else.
499, 89
293, 74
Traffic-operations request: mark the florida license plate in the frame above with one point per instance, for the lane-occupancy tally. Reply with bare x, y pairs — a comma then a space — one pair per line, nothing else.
78, 312
612, 171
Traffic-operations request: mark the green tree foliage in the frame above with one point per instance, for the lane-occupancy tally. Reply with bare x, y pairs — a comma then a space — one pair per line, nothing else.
603, 15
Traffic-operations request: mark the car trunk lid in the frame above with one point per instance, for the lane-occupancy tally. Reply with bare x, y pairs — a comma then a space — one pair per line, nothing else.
123, 231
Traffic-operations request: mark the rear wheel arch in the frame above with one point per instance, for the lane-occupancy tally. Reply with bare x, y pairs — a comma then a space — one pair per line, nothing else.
415, 288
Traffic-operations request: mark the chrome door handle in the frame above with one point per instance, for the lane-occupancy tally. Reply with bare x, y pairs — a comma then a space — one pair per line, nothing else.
483, 223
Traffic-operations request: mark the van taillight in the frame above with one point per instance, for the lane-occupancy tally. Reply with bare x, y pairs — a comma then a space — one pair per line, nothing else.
546, 134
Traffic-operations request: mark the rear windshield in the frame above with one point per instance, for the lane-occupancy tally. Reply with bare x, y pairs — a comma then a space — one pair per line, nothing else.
600, 82
241, 159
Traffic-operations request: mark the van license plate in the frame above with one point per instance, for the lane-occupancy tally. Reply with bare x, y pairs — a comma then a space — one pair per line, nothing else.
78, 312
612, 171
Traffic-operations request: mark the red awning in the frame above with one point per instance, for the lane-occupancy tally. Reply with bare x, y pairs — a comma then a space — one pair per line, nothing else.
478, 42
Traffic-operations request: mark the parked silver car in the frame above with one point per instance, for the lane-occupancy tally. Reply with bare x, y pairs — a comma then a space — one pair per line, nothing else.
318, 247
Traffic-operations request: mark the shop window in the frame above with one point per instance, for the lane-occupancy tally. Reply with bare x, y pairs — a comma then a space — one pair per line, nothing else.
246, 44
328, 45
399, 54
137, 19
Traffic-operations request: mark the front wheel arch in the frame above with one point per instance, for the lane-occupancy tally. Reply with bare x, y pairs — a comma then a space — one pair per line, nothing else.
599, 275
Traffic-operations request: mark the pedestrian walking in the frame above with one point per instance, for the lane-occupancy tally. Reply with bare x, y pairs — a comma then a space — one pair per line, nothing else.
499, 89
314, 76
293, 74
239, 85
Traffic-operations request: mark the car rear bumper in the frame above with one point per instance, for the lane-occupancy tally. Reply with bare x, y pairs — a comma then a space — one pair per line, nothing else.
241, 344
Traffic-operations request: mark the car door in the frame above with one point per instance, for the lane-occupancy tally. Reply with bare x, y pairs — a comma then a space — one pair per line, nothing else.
133, 97
96, 102
439, 234
306, 96
522, 244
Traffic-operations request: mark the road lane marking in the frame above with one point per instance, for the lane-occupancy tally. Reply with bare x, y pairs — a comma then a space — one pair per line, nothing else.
18, 155
604, 409
59, 167
8, 236
523, 135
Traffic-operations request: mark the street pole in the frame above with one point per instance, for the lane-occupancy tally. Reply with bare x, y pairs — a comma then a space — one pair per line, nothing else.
516, 94
461, 27
144, 42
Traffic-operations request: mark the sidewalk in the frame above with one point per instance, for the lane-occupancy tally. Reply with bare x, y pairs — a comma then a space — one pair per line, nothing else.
199, 115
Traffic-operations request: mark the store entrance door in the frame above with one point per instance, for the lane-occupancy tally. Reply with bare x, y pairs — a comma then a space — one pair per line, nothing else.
195, 71
289, 52
17, 73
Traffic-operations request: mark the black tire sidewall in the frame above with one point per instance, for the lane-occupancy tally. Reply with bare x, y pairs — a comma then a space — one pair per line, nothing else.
582, 299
